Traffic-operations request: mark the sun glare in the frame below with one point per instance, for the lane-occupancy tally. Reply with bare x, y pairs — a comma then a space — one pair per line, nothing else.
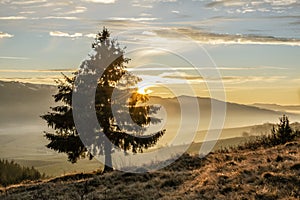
144, 90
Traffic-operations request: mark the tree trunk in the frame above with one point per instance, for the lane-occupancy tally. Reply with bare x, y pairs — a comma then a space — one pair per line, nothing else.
108, 159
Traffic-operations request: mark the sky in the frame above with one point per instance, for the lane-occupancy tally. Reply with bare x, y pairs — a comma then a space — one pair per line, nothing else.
249, 50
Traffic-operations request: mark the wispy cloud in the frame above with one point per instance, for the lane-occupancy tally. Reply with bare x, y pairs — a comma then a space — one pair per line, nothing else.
63, 34
5, 35
101, 1
90, 35
180, 75
145, 15
78, 9
177, 77
215, 39
61, 17
230, 3
150, 33
137, 19
122, 24
69, 35
246, 79
251, 68
13, 18
46, 4
164, 69
27, 12
281, 2
142, 4
36, 70
48, 80
38, 76
263, 6
13, 58
27, 2
183, 78
225, 3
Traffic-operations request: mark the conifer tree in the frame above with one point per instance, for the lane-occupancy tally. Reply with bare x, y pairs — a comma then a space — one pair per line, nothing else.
115, 86
284, 132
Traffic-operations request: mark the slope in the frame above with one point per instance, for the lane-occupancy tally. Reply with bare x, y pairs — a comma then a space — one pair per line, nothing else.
266, 173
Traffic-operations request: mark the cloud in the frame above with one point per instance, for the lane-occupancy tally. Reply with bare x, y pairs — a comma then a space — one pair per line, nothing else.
13, 58
27, 12
138, 19
251, 68
145, 15
164, 1
90, 35
101, 1
68, 35
150, 33
13, 18
47, 80
231, 3
5, 35
254, 79
183, 78
178, 77
149, 3
122, 24
141, 6
78, 9
215, 39
225, 3
27, 2
36, 71
63, 34
281, 2
242, 7
186, 69
61, 17
56, 4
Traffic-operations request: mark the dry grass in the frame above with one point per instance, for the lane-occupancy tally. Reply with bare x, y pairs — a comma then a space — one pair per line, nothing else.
264, 173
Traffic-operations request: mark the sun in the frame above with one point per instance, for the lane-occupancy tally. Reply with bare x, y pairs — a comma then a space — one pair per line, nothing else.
144, 90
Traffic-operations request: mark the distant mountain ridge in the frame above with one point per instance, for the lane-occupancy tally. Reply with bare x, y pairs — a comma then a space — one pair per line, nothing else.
286, 108
22, 102
237, 115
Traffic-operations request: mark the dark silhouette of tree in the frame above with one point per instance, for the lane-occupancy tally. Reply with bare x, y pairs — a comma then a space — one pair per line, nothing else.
284, 132
116, 94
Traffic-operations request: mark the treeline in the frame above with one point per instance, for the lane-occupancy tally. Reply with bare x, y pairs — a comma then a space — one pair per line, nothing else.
13, 173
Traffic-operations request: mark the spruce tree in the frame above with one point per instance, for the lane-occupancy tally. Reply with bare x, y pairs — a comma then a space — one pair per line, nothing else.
284, 132
115, 86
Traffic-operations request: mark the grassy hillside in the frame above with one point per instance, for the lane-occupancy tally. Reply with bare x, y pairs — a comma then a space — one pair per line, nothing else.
263, 173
